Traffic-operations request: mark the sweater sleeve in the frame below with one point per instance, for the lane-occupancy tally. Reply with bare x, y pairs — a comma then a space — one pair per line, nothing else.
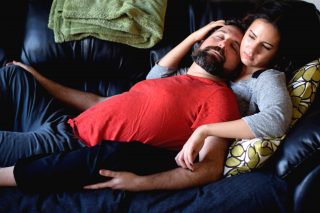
158, 71
274, 103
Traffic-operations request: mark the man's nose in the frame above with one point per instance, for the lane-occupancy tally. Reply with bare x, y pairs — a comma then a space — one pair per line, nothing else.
222, 44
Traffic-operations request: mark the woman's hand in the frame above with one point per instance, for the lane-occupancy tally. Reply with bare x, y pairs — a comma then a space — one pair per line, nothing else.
191, 148
201, 33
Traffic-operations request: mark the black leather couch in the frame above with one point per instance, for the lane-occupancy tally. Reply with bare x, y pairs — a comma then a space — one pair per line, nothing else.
110, 68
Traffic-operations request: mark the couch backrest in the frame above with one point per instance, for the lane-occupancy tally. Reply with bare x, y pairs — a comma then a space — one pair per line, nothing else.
94, 65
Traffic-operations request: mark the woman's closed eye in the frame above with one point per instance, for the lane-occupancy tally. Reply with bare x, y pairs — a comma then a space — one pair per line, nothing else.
267, 46
252, 36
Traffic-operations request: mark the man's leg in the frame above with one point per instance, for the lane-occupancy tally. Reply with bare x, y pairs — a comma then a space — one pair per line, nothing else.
31, 121
72, 170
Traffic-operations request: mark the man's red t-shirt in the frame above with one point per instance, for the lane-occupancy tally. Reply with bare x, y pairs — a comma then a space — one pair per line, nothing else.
160, 112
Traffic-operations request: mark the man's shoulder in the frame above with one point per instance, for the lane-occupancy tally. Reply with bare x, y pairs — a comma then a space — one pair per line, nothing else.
159, 71
222, 91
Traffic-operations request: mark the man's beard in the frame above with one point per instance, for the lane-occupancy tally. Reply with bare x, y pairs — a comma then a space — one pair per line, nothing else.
209, 62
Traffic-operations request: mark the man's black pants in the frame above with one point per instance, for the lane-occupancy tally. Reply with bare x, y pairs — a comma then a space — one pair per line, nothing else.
75, 169
31, 120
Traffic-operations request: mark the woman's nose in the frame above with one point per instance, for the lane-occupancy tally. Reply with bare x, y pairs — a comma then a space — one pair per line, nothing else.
252, 49
249, 52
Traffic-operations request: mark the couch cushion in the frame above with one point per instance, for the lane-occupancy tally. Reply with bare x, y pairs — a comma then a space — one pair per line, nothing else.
300, 151
93, 65
306, 191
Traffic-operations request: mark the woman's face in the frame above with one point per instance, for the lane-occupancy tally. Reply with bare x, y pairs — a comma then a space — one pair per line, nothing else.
259, 44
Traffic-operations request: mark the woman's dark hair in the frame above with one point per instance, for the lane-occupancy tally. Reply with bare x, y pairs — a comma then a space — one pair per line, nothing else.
297, 23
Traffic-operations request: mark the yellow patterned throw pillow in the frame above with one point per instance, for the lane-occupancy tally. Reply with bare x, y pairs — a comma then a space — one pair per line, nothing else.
245, 155
302, 88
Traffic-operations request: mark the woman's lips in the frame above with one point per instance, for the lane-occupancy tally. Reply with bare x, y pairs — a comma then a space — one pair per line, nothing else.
247, 56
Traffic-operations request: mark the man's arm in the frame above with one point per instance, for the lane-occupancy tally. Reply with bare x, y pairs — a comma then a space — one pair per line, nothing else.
208, 169
74, 98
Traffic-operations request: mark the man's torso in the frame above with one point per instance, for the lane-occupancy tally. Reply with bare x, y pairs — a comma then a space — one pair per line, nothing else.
160, 112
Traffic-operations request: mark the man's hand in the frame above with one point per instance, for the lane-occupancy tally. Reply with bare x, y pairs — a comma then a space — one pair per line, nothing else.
25, 67
120, 180
191, 149
208, 169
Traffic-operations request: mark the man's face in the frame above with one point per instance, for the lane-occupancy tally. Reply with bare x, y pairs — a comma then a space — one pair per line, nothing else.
219, 53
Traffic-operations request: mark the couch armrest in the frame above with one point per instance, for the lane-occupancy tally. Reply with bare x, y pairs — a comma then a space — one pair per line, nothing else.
299, 153
307, 193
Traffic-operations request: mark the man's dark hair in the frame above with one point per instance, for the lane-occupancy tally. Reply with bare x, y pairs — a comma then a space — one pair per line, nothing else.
233, 22
237, 23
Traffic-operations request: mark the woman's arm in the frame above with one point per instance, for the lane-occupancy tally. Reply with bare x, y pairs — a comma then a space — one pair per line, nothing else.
273, 118
230, 129
274, 105
173, 58
74, 98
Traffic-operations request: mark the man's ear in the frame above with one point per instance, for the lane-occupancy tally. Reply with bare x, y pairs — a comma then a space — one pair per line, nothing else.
198, 44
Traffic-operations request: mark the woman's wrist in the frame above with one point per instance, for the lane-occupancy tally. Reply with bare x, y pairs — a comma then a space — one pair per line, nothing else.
203, 131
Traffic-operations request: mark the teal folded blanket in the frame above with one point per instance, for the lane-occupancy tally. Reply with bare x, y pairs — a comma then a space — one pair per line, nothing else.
138, 23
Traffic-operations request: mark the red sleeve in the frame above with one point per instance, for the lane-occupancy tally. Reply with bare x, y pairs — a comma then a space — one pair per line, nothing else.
220, 106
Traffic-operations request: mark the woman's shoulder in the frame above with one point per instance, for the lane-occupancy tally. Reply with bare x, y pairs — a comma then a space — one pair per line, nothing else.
270, 78
271, 74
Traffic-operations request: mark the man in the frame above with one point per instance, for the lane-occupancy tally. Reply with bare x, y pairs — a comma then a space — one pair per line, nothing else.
208, 100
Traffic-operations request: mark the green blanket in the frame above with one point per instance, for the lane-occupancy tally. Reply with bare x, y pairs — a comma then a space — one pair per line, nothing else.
138, 23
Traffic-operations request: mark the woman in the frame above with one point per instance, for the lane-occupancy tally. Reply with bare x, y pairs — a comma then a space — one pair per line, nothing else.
260, 89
